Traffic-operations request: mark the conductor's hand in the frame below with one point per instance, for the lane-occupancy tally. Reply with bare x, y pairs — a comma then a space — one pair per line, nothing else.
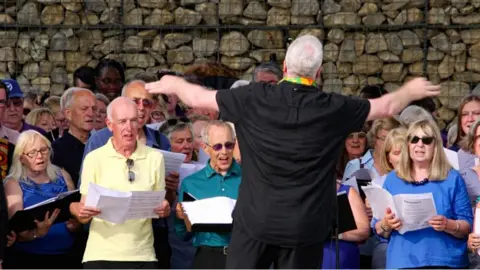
172, 181
44, 226
166, 85
163, 210
420, 88
391, 221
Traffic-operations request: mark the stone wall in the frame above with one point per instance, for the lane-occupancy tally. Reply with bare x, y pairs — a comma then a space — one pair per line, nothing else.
376, 42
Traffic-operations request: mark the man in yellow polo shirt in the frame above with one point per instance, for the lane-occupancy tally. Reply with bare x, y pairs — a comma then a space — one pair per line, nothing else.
122, 164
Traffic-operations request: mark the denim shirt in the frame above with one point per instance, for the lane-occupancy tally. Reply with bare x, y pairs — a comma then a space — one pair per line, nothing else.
207, 183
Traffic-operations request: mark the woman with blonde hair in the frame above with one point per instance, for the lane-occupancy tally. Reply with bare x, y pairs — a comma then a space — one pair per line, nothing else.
53, 103
44, 119
468, 113
33, 179
424, 168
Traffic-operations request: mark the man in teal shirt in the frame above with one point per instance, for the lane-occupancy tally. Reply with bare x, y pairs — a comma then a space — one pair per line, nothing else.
220, 177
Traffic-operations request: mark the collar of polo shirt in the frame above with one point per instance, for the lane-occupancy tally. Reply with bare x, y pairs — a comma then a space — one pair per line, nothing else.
234, 169
139, 153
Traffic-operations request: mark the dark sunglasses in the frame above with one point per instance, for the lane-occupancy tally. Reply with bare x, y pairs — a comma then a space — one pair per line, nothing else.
147, 103
15, 102
217, 147
131, 174
175, 121
425, 140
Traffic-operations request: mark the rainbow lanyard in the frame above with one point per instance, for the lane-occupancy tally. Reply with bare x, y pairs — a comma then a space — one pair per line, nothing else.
300, 80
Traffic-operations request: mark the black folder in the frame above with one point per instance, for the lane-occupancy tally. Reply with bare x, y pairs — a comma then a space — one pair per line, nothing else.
23, 220
346, 220
200, 227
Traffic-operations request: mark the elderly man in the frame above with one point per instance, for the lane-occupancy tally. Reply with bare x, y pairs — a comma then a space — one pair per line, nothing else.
135, 90
289, 137
79, 106
221, 177
123, 164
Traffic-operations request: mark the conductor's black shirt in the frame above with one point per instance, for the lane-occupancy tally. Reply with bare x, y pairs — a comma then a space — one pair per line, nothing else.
290, 136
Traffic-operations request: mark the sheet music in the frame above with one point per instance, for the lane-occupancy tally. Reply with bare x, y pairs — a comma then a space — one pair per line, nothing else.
352, 181
173, 161
120, 206
216, 210
452, 158
415, 210
187, 169
58, 197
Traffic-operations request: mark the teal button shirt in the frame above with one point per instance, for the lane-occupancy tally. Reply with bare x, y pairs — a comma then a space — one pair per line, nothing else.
207, 183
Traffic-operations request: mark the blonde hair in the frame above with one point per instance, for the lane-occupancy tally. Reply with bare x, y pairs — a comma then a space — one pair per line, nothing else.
395, 138
33, 116
17, 170
381, 124
470, 138
52, 103
465, 100
439, 166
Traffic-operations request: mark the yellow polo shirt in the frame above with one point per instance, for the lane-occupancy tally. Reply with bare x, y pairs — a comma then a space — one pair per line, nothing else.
133, 240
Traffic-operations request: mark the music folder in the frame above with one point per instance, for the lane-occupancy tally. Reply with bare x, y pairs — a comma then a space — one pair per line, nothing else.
346, 220
203, 227
24, 220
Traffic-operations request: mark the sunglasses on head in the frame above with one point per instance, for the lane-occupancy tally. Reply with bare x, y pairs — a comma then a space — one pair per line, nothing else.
131, 174
175, 121
217, 147
147, 103
425, 140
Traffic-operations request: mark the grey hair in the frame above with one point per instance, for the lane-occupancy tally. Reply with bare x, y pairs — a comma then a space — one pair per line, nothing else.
269, 67
414, 113
453, 131
304, 57
110, 106
124, 89
216, 123
102, 98
239, 83
67, 96
178, 127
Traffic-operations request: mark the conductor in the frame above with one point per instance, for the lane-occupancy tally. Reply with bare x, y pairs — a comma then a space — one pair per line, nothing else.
289, 136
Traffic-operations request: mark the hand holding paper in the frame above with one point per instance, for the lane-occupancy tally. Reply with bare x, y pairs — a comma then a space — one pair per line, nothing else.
163, 210
391, 220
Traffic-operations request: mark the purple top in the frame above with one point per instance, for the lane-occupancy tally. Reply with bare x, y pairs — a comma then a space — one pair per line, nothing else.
26, 127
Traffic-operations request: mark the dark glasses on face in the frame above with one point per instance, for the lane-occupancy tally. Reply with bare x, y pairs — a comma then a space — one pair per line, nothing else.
174, 121
360, 135
131, 174
147, 103
425, 140
17, 102
217, 147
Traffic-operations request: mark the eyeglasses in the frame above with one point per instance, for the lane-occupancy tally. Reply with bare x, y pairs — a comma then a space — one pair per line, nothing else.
131, 174
359, 135
425, 140
217, 147
3, 103
175, 121
44, 150
147, 103
16, 102
157, 115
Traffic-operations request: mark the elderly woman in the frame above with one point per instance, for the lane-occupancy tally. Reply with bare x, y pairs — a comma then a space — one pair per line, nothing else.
355, 147
101, 113
423, 168
34, 179
468, 113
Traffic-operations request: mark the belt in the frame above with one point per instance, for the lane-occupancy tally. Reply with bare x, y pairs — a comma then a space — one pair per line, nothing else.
215, 249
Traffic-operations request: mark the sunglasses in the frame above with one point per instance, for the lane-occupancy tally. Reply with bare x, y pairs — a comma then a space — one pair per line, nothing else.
131, 174
178, 120
425, 140
147, 103
217, 147
17, 102
360, 135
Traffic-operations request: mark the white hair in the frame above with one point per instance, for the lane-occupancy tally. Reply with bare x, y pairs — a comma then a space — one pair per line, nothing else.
414, 113
239, 83
216, 123
124, 89
304, 57
117, 100
67, 96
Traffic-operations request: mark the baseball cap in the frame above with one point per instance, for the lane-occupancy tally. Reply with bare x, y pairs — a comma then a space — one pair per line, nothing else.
13, 89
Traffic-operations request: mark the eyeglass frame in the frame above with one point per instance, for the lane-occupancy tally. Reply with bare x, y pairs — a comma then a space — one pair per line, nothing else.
34, 153
131, 173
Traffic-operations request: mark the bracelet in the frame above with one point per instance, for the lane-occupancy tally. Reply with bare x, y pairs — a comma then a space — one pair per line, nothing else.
383, 227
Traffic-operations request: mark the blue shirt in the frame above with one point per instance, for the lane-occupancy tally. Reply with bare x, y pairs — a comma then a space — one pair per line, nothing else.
427, 247
364, 162
207, 183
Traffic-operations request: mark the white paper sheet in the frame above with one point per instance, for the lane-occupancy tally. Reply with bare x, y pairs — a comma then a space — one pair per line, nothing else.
415, 210
119, 206
173, 161
216, 210
187, 169
452, 158
476, 225
379, 181
352, 181
59, 197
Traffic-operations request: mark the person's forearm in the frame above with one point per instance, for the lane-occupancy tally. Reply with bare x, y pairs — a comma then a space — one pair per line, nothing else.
74, 210
395, 102
189, 93
380, 231
171, 196
26, 236
460, 231
357, 235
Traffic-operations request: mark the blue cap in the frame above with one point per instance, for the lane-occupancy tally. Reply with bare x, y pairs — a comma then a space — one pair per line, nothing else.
13, 88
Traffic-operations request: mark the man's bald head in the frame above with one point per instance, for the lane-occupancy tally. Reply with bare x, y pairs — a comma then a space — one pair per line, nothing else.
118, 105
